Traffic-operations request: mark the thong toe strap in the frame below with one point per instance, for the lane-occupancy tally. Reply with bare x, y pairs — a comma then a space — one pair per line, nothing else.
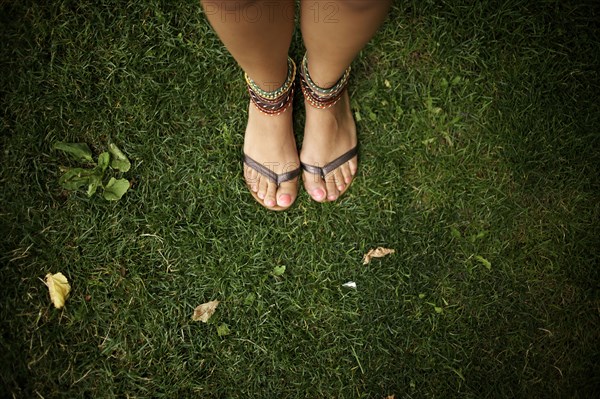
331, 166
269, 174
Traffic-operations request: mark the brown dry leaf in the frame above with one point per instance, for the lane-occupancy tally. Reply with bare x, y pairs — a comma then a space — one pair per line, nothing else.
391, 397
203, 312
59, 288
376, 253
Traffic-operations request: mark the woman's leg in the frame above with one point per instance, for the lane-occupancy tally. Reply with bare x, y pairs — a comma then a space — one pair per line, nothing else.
258, 35
334, 32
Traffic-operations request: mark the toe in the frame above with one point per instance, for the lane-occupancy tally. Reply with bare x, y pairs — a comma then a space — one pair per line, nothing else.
271, 192
286, 194
346, 173
332, 190
263, 184
353, 165
315, 187
339, 179
251, 178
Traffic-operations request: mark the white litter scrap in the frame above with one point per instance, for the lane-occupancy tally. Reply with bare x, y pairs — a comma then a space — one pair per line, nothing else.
349, 284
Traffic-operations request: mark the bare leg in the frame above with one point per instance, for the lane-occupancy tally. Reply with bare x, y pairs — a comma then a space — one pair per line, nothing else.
258, 35
334, 32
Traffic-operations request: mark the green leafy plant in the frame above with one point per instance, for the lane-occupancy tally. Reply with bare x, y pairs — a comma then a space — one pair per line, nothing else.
78, 178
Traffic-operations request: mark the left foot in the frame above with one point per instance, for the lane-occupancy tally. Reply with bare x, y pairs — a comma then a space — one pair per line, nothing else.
328, 134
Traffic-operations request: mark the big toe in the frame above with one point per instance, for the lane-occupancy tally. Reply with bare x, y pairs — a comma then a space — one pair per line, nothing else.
315, 187
286, 194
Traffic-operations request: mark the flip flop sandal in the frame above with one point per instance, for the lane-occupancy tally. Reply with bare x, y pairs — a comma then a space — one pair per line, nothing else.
322, 172
322, 98
274, 177
272, 103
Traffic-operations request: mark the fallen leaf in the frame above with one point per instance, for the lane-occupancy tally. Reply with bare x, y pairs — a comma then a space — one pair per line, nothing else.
278, 270
349, 284
59, 288
376, 253
455, 233
357, 116
391, 397
249, 299
484, 261
223, 330
205, 311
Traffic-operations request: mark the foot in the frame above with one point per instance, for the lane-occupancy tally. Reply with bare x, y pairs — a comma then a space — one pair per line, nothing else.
270, 141
329, 133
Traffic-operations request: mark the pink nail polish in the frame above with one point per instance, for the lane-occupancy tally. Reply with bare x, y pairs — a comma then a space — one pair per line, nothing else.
318, 193
285, 200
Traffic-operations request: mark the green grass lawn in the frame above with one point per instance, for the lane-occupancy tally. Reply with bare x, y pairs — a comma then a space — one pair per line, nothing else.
479, 130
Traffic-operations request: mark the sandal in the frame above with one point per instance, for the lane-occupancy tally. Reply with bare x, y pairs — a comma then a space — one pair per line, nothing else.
321, 98
272, 103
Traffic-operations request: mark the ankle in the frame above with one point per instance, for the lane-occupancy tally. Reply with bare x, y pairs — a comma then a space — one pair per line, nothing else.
317, 95
277, 101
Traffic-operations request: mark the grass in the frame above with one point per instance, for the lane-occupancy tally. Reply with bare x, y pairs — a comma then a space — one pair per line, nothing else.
478, 125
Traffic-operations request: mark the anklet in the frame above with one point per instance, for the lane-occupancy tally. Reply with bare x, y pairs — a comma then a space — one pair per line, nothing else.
277, 101
317, 96
291, 76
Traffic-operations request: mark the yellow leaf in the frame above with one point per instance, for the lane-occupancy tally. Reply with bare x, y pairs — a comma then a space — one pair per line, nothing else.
376, 253
59, 288
205, 311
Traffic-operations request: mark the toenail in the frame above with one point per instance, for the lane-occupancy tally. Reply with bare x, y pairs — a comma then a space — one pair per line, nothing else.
269, 202
284, 199
261, 195
341, 187
332, 198
348, 179
318, 194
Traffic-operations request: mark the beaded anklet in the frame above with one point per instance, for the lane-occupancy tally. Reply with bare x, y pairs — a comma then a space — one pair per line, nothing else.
274, 102
317, 96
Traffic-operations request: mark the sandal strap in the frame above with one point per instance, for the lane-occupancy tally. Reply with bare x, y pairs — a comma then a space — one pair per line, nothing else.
331, 166
269, 174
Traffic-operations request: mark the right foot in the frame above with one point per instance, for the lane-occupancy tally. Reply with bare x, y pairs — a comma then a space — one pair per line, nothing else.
270, 141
